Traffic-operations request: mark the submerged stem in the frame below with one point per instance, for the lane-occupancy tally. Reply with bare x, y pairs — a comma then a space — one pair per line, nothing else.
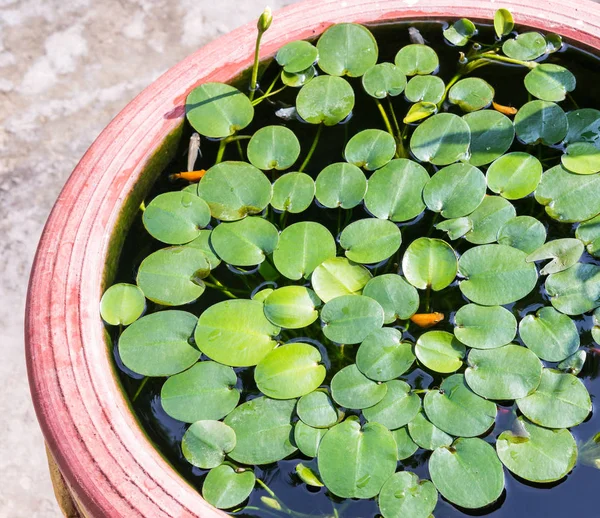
260, 99
140, 388
312, 149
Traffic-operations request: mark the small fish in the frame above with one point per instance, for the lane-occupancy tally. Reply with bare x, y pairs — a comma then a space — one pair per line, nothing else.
506, 110
190, 176
193, 151
427, 319
286, 113
415, 36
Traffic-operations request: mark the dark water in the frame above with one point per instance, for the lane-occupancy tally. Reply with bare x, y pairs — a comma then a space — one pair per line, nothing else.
573, 496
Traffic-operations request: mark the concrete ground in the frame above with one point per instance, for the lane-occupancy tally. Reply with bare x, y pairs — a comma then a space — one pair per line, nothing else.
66, 68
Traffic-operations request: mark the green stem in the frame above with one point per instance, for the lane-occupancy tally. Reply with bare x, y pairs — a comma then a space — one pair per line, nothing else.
573, 101
504, 59
239, 148
312, 149
254, 80
283, 219
447, 89
222, 290
258, 100
428, 299
401, 151
140, 388
385, 118
393, 113
221, 151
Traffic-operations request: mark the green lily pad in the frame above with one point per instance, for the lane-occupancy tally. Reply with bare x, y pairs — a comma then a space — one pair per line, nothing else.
503, 22
158, 344
550, 82
406, 446
429, 263
455, 190
404, 494
442, 139
561, 401
426, 434
496, 275
581, 158
355, 461
508, 372
290, 371
370, 240
176, 217
589, 233
596, 328
224, 487
457, 410
488, 218
218, 110
383, 356
338, 276
317, 410
574, 363
564, 253
347, 49
302, 247
341, 185
273, 147
205, 443
485, 327
398, 407
523, 232
537, 454
468, 473
307, 475
417, 59
122, 304
398, 298
349, 319
541, 121
456, 227
263, 430
492, 134
206, 391
584, 126
425, 88
308, 438
471, 94
440, 351
296, 56
202, 242
419, 111
526, 46
395, 190
325, 99
384, 79
292, 307
370, 148
234, 190
350, 388
235, 332
293, 192
460, 32
575, 291
514, 175
261, 295
298, 79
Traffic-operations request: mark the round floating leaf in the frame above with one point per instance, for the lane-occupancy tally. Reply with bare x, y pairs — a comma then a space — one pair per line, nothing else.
308, 476
488, 218
514, 175
355, 462
551, 335
419, 111
406, 446
176, 217
509, 372
225, 488
349, 319
484, 327
206, 391
395, 190
456, 227
526, 46
589, 233
460, 32
173, 276
202, 242
158, 344
457, 410
233, 190
298, 79
370, 148
290, 371
205, 443
384, 79
503, 22
471, 94
302, 247
293, 192
317, 410
122, 304
537, 454
440, 351
292, 307
383, 356
523, 232
341, 185
347, 49
404, 494
350, 388
296, 56
442, 139
569, 197
496, 275
468, 473
416, 59
308, 438
370, 240
325, 99
218, 110
492, 134
273, 147
398, 407
541, 121
398, 298
550, 82
263, 429
563, 252
584, 126
425, 88
575, 291
455, 190
429, 263
261, 295
561, 401
235, 332
582, 158
574, 363
426, 434
338, 276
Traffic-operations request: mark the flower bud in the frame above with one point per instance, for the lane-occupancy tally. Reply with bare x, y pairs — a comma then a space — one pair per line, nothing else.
265, 19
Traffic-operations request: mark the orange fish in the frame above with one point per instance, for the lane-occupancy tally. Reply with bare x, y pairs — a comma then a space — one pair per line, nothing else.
506, 110
190, 176
427, 319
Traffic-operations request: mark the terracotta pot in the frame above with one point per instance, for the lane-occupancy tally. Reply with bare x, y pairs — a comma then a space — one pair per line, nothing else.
106, 460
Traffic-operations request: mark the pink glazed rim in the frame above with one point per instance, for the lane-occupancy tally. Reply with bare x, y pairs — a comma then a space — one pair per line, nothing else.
104, 456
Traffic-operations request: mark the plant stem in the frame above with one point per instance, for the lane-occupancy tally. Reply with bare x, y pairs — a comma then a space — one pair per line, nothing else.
447, 89
239, 148
283, 219
312, 149
400, 149
385, 118
428, 299
394, 119
140, 388
573, 101
258, 100
497, 57
254, 80
222, 145
266, 488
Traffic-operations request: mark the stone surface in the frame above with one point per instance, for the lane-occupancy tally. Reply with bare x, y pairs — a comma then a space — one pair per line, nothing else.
66, 68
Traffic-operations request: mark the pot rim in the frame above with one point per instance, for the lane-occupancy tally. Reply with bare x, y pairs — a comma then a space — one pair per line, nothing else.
101, 450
